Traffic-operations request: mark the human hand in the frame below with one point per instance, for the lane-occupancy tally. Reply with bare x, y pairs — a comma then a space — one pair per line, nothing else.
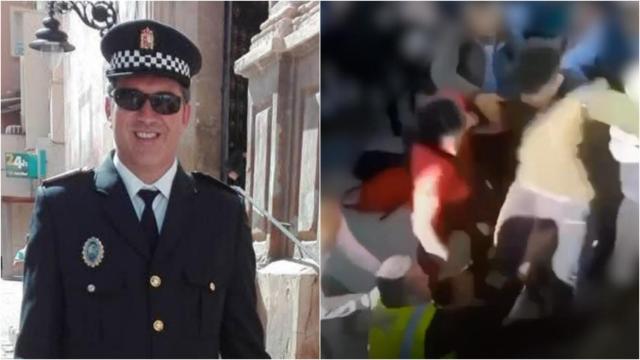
233, 175
489, 105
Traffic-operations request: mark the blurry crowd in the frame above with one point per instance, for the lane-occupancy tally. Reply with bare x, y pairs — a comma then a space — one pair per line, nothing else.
480, 179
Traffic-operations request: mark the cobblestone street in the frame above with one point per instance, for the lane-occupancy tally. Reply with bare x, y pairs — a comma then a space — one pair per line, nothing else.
10, 297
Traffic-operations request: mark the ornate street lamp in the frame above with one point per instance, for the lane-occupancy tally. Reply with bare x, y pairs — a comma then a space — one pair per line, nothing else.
52, 41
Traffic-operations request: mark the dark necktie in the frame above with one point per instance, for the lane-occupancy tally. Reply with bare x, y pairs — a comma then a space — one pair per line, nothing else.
148, 220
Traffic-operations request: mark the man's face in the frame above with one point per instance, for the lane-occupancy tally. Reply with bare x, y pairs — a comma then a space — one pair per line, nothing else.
146, 140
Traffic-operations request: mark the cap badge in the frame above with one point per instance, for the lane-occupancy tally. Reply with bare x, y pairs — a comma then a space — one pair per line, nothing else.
146, 39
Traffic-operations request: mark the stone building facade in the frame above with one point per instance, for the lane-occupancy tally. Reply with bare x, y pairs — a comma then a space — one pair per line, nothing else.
283, 69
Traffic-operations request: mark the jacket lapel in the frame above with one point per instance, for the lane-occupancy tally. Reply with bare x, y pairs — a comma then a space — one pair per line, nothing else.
179, 211
118, 207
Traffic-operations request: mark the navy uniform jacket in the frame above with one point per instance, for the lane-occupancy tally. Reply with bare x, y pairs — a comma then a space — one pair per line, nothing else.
202, 303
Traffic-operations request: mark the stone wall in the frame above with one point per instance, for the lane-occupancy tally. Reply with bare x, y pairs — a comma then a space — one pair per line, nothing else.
289, 290
203, 23
282, 67
283, 121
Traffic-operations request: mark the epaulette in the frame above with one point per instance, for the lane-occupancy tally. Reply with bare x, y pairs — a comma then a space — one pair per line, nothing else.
208, 179
66, 175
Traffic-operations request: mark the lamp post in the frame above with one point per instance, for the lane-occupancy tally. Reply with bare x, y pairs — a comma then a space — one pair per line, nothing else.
53, 42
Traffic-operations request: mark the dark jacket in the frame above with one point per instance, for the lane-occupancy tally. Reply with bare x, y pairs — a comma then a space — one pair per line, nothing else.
459, 64
206, 298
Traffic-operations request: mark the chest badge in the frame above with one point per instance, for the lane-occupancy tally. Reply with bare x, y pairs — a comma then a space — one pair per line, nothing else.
92, 252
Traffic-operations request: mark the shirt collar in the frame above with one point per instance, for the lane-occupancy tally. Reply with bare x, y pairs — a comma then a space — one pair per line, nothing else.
133, 184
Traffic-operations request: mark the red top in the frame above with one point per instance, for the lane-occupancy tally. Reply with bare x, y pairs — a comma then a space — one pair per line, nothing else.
452, 191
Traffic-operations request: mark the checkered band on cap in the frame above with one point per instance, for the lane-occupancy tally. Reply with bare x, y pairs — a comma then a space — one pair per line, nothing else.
128, 59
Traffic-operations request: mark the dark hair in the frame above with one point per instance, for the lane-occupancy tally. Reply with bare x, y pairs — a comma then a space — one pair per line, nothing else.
535, 66
435, 119
186, 93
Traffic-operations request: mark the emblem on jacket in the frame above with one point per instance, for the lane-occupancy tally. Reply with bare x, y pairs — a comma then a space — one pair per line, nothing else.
92, 252
146, 39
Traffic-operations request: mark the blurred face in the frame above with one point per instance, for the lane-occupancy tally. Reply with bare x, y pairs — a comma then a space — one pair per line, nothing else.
147, 141
416, 280
483, 19
583, 15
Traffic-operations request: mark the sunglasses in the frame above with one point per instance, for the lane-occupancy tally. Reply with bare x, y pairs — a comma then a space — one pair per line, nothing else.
164, 103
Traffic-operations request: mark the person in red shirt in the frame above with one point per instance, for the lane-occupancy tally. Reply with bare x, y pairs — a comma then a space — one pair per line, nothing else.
441, 192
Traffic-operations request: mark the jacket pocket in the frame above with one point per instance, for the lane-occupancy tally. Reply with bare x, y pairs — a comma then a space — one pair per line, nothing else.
96, 307
205, 302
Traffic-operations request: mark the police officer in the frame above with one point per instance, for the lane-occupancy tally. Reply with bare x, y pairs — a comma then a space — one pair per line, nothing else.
137, 258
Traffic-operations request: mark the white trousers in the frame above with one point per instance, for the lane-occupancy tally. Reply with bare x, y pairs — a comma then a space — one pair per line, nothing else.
569, 215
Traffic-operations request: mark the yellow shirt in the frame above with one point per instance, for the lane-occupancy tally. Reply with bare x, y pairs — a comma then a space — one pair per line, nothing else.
549, 153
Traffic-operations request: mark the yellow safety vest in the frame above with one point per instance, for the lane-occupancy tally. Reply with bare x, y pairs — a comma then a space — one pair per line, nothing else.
398, 333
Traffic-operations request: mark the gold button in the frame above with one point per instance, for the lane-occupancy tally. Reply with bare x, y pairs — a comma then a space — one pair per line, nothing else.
91, 288
158, 325
155, 281
212, 286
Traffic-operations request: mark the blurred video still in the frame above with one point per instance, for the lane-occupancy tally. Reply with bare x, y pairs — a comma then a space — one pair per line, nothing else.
479, 179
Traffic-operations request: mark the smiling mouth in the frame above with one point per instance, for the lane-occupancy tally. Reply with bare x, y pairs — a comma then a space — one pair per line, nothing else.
146, 135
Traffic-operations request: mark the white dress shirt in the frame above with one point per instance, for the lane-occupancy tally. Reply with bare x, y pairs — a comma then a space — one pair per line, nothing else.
133, 184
